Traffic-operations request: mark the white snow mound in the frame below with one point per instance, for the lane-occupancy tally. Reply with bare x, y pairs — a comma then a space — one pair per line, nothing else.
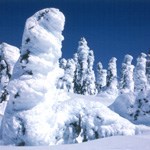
133, 106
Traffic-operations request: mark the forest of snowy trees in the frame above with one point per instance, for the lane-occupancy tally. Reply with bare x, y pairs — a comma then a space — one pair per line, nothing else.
39, 89
79, 76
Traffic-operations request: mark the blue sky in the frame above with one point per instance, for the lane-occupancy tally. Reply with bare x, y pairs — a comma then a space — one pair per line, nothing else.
111, 27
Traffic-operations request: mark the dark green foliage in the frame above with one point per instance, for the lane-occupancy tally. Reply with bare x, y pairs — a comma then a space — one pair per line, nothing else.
4, 95
27, 40
25, 57
16, 95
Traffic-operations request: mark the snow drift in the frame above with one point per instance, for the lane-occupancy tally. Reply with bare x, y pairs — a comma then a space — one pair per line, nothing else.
134, 105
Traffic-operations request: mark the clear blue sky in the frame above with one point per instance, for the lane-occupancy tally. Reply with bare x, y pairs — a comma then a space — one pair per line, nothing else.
111, 27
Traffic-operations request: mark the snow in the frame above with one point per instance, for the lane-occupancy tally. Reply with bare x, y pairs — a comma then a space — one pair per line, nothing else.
126, 81
112, 82
75, 120
133, 106
140, 78
62, 63
6, 52
101, 77
7, 63
32, 88
148, 68
111, 143
84, 80
39, 114
66, 82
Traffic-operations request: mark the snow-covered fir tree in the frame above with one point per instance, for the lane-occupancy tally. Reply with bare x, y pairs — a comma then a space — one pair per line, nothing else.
148, 68
112, 82
82, 66
127, 81
69, 74
84, 71
66, 82
8, 57
140, 78
62, 63
101, 77
90, 79
32, 88
75, 58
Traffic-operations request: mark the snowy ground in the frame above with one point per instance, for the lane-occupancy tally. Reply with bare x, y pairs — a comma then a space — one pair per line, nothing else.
104, 98
138, 142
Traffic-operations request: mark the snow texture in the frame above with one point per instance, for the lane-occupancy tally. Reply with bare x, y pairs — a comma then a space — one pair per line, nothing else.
112, 143
133, 106
34, 78
112, 82
8, 57
63, 63
101, 77
90, 81
84, 82
39, 114
81, 120
148, 68
127, 81
140, 78
67, 81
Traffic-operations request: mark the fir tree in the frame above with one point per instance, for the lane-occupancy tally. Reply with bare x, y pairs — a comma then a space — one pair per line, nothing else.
82, 66
101, 77
66, 82
127, 82
112, 82
90, 79
84, 81
62, 63
75, 58
7, 63
140, 78
148, 67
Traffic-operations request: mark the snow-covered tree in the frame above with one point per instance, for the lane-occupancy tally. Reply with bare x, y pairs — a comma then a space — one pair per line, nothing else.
140, 78
90, 79
148, 68
127, 81
66, 82
112, 82
101, 77
75, 58
62, 63
32, 87
8, 57
69, 74
84, 82
141, 108
82, 66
